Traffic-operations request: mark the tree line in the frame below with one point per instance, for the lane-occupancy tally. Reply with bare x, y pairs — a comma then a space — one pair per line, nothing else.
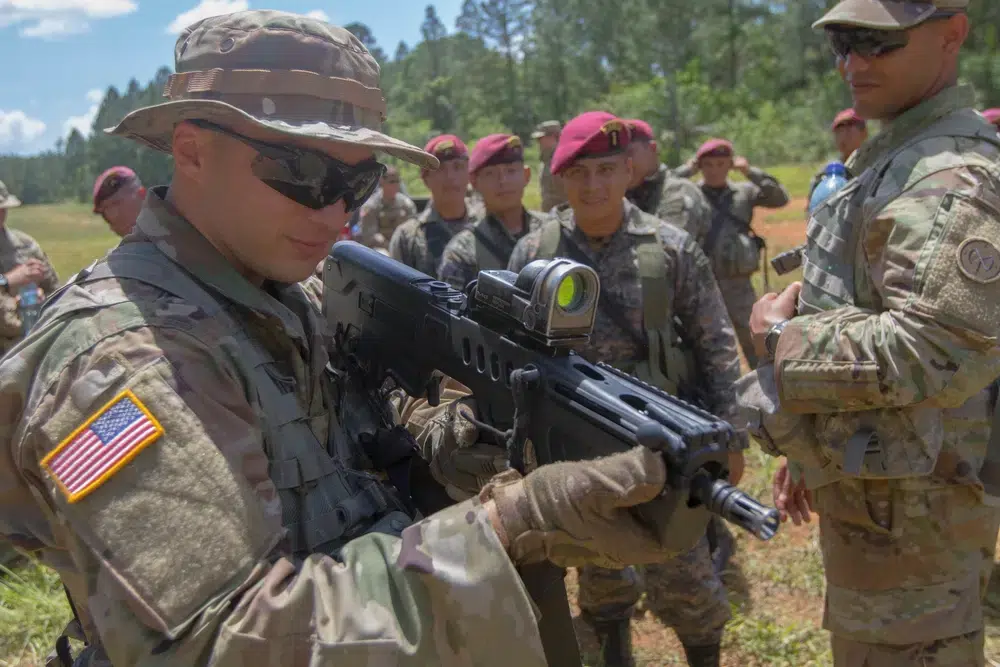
753, 71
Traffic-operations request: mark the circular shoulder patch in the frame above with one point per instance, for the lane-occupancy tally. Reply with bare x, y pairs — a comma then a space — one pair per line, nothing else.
979, 260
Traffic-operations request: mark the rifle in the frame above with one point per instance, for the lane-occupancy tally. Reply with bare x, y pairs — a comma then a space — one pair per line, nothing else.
511, 339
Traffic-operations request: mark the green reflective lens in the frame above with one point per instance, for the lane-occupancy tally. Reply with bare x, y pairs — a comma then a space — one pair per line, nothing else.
570, 292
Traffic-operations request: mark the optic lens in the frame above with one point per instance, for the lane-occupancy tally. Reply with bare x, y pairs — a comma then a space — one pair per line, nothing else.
570, 292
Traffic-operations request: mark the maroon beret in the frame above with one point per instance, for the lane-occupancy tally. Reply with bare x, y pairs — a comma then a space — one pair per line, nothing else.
641, 130
495, 149
715, 148
847, 117
591, 134
447, 147
993, 115
111, 181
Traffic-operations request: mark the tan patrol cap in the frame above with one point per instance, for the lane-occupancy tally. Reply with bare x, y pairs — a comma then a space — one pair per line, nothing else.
550, 128
275, 71
886, 14
7, 200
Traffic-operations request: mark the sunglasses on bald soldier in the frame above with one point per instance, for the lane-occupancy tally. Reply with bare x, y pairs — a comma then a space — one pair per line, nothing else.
870, 43
308, 177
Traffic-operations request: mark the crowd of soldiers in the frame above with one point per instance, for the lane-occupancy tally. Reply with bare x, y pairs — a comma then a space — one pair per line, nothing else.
186, 447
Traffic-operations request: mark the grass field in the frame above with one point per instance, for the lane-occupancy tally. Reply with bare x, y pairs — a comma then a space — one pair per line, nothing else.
776, 588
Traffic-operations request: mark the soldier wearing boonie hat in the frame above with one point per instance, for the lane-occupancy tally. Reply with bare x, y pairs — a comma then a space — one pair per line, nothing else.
731, 244
879, 379
181, 423
547, 136
420, 241
118, 198
660, 317
499, 175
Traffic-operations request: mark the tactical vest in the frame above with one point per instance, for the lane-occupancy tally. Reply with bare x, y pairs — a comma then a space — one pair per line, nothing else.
668, 365
491, 253
325, 501
834, 277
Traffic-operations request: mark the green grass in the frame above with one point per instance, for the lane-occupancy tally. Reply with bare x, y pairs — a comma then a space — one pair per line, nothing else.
69, 234
33, 612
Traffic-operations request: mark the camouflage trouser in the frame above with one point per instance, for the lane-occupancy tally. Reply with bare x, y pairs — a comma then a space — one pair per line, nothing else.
739, 297
961, 651
906, 569
684, 592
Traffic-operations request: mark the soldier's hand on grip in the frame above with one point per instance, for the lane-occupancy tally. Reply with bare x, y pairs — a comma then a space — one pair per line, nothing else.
574, 513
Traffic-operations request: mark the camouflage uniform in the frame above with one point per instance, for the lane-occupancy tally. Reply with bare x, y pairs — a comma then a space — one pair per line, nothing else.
419, 242
379, 216
16, 248
727, 246
881, 389
463, 256
222, 539
693, 599
675, 200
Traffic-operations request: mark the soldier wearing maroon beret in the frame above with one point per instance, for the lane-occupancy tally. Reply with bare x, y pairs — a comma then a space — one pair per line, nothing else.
731, 243
849, 131
118, 198
993, 116
419, 242
499, 175
661, 318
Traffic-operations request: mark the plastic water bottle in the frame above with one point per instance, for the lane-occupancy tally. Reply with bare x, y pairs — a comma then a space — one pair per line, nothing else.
30, 306
834, 178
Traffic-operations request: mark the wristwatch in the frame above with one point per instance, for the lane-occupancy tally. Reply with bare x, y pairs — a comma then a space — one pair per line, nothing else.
771, 338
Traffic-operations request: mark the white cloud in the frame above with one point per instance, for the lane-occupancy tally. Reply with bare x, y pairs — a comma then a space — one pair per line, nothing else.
49, 19
85, 121
319, 15
203, 10
17, 128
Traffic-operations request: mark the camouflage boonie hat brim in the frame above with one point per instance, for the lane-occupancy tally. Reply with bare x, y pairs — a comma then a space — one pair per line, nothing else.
550, 128
886, 14
273, 71
7, 200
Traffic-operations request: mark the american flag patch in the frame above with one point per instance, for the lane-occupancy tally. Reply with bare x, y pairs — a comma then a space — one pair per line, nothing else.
102, 446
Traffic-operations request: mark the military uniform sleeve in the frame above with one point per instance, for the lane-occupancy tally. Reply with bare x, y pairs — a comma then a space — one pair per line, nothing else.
49, 283
706, 325
770, 193
182, 542
369, 223
685, 205
686, 170
933, 260
458, 261
524, 252
10, 318
398, 244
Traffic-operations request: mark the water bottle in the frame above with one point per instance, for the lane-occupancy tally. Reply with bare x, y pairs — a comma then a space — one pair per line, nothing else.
834, 178
30, 306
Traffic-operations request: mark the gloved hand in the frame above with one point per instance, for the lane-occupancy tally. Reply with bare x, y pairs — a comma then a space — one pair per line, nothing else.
459, 462
577, 513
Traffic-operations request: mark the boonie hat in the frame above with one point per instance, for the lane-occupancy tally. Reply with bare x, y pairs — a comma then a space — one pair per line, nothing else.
887, 14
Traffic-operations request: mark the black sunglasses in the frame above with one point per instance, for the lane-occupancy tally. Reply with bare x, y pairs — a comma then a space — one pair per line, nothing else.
871, 43
307, 177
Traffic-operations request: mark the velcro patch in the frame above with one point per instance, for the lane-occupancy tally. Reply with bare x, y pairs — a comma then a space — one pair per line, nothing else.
979, 260
102, 445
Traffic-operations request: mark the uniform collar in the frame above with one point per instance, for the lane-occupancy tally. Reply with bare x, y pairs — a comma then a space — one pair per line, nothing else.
431, 215
161, 224
635, 222
910, 123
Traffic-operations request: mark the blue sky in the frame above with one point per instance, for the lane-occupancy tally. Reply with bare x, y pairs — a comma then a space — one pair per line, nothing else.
59, 56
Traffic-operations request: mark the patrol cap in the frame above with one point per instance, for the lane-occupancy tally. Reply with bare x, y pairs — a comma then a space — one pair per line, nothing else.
447, 147
640, 129
714, 148
591, 134
993, 116
496, 149
263, 69
7, 200
887, 14
549, 128
110, 182
847, 117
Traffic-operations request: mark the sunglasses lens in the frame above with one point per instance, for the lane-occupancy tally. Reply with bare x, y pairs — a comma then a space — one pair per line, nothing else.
865, 43
317, 181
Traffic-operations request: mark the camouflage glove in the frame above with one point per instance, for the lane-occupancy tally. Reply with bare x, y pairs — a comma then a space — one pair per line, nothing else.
458, 461
578, 513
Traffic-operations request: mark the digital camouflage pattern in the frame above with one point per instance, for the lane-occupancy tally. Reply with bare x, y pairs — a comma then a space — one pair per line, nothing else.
553, 192
675, 200
181, 553
733, 255
381, 216
419, 242
896, 341
687, 583
459, 263
16, 248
